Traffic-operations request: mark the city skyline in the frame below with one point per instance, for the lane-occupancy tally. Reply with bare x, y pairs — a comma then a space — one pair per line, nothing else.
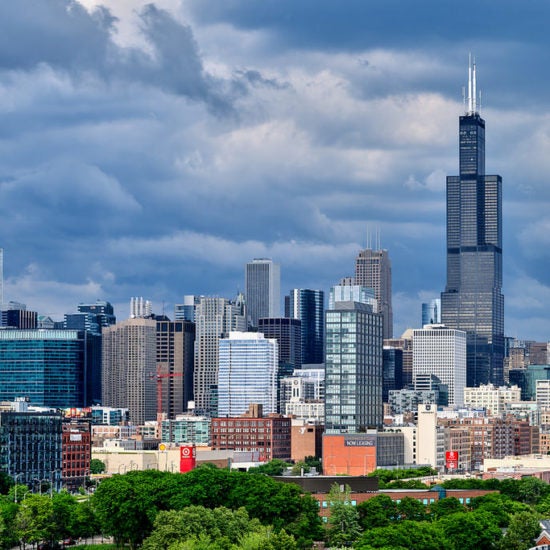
158, 164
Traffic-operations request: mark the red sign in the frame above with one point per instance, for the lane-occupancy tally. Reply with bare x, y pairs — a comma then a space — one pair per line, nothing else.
451, 460
188, 458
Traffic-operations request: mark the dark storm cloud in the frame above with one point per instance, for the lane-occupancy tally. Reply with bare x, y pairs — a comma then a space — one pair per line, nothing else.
512, 36
267, 129
359, 25
63, 35
57, 32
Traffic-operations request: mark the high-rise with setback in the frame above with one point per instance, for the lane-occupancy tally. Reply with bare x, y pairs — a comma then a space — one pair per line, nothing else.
373, 270
473, 300
215, 318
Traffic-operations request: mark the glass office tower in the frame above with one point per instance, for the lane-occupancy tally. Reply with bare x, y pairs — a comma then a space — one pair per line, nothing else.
45, 366
473, 300
309, 306
353, 368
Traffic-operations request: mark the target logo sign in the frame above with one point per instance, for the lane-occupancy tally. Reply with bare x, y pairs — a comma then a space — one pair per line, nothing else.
187, 458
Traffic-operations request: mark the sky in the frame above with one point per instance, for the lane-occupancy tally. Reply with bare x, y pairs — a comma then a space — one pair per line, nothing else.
152, 149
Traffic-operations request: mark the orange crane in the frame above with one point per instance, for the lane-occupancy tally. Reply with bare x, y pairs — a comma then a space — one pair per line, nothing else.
160, 376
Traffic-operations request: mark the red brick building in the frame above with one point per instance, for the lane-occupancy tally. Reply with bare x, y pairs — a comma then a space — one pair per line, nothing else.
306, 440
364, 488
76, 453
268, 437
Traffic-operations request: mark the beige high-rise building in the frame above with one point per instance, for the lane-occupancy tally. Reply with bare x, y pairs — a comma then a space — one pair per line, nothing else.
430, 438
491, 398
373, 270
129, 368
215, 318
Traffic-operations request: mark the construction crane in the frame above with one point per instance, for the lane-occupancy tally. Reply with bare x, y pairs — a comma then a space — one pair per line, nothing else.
160, 376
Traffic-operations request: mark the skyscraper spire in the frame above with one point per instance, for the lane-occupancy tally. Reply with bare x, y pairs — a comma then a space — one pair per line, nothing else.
472, 86
473, 300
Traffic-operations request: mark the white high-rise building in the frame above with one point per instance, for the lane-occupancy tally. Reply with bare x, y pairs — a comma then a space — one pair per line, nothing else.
247, 373
442, 351
215, 318
262, 289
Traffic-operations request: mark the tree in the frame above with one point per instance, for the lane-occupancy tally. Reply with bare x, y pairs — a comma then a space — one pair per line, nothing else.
378, 511
266, 539
97, 466
445, 507
501, 507
85, 523
471, 531
197, 527
522, 531
64, 514
8, 511
125, 507
275, 467
411, 509
6, 483
34, 521
405, 535
223, 527
314, 462
343, 521
299, 468
406, 484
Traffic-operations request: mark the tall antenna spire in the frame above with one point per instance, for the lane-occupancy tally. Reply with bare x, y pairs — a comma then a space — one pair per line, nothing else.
469, 112
474, 91
472, 86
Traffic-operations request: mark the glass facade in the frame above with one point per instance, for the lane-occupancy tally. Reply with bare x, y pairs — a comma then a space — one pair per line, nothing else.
473, 300
45, 366
247, 373
309, 306
187, 429
353, 367
30, 445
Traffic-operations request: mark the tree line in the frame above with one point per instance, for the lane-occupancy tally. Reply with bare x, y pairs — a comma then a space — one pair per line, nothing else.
218, 509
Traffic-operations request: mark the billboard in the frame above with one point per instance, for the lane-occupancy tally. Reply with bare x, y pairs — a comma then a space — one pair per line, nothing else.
188, 458
451, 460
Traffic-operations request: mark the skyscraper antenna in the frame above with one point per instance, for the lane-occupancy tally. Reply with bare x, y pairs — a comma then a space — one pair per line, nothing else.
469, 111
472, 87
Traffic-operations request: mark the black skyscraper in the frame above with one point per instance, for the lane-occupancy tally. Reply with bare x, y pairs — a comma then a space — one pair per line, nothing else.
473, 299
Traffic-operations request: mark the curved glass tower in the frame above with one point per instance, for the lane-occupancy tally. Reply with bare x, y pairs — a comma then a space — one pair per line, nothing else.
473, 300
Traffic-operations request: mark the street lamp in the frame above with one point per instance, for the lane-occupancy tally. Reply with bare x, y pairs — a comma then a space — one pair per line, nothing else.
53, 479
15, 486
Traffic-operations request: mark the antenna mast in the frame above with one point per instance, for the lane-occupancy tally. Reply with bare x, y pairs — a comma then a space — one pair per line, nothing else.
472, 87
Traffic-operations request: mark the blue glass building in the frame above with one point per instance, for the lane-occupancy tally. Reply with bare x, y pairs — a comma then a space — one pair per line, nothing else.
45, 366
308, 306
353, 368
